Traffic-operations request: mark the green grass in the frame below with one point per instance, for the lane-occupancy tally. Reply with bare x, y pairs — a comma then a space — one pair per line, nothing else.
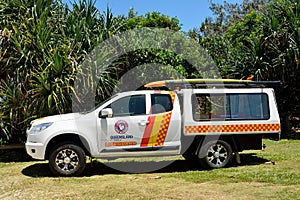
281, 165
256, 178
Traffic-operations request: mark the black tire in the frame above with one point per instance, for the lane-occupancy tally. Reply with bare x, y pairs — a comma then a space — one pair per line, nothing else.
67, 160
215, 154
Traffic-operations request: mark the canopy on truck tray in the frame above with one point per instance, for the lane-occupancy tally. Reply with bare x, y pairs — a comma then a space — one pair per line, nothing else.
195, 83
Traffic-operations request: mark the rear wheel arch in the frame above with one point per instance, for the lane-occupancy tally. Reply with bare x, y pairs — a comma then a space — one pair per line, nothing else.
201, 144
201, 140
230, 139
215, 154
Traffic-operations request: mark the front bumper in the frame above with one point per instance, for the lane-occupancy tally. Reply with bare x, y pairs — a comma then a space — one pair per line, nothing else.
35, 150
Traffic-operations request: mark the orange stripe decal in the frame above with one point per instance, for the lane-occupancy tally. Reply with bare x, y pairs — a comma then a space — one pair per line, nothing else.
110, 144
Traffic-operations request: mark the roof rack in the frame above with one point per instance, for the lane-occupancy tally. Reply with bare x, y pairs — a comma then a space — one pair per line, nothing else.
204, 83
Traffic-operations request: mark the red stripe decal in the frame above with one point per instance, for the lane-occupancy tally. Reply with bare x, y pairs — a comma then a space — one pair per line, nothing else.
148, 131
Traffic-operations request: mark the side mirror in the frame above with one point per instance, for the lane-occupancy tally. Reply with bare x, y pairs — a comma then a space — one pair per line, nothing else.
106, 113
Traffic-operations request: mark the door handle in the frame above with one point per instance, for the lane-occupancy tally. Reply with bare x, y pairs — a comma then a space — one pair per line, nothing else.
144, 122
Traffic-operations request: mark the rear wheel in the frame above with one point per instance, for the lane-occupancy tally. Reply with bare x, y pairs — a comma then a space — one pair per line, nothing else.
215, 154
67, 160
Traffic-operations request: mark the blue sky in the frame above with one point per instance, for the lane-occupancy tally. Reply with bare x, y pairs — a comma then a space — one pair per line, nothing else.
191, 13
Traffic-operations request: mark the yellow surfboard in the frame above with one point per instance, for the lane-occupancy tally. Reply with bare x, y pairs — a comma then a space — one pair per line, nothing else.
212, 82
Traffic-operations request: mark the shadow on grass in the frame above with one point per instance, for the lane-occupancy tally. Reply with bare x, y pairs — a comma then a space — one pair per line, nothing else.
248, 159
98, 168
14, 155
295, 136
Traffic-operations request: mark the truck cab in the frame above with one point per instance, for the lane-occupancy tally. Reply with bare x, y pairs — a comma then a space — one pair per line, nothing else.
139, 124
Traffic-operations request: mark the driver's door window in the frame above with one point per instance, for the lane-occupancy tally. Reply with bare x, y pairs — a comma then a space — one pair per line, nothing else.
129, 106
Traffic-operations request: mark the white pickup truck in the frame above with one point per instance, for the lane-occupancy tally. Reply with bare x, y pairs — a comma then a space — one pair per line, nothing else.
210, 125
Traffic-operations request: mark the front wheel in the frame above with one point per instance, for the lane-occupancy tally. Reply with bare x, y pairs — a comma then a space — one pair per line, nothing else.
67, 160
215, 154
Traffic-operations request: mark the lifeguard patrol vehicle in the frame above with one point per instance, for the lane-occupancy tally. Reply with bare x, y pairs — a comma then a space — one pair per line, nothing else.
205, 120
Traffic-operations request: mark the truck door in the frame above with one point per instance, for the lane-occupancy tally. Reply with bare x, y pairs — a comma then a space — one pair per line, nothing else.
164, 123
125, 128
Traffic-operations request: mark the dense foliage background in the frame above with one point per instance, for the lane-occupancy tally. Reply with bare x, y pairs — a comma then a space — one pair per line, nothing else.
43, 42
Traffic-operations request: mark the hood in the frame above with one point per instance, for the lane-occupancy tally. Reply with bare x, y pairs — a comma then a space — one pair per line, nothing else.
55, 118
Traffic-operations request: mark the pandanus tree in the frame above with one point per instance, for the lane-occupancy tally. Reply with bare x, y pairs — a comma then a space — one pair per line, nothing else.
42, 44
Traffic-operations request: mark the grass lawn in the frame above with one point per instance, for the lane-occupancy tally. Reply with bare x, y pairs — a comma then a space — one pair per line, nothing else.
270, 174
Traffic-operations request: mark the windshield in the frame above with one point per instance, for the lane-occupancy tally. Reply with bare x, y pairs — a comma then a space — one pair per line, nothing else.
100, 104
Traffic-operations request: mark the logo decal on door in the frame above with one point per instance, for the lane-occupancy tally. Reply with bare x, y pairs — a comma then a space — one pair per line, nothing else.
121, 127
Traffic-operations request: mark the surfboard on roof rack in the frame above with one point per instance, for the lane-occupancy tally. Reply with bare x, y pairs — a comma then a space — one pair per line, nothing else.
196, 83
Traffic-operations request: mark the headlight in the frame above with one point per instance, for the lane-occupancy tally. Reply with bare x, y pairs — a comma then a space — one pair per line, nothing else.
38, 128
